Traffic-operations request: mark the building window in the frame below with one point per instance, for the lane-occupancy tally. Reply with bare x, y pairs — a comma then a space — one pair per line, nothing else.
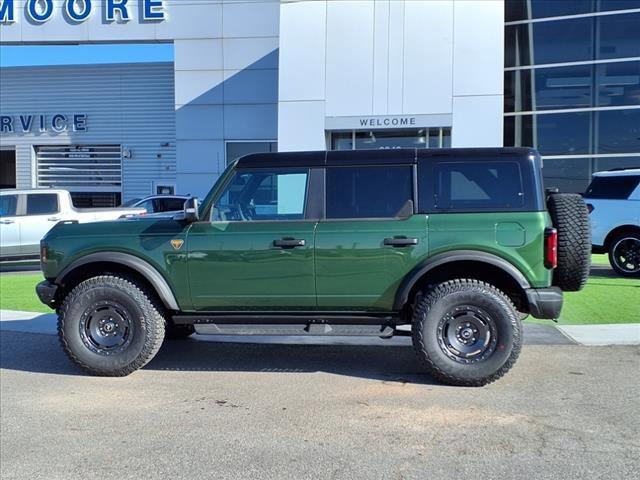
435, 137
235, 150
572, 85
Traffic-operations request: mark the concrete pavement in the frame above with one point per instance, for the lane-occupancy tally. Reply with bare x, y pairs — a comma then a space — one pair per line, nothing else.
238, 411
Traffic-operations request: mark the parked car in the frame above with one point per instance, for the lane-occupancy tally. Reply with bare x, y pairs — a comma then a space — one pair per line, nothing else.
458, 243
158, 203
27, 215
613, 198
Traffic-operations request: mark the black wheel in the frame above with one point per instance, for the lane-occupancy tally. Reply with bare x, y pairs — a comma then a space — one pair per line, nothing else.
466, 332
110, 326
178, 332
624, 254
570, 217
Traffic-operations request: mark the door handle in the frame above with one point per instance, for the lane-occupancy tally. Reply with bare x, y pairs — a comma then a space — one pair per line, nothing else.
6, 222
53, 219
400, 241
289, 243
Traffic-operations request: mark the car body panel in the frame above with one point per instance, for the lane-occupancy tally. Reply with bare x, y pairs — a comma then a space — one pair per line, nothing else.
355, 270
235, 265
608, 214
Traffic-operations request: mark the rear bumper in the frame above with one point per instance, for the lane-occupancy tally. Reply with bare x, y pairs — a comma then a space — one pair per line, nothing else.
46, 292
545, 303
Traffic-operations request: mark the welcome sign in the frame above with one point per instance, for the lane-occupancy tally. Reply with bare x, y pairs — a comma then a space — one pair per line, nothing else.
77, 11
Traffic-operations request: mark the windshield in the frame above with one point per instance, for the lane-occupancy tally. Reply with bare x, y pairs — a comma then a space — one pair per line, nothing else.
207, 200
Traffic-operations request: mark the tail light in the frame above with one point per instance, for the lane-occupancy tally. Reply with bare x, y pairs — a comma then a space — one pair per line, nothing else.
550, 248
590, 207
44, 252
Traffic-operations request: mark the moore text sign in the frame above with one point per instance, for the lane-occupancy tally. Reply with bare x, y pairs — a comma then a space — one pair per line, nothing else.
77, 11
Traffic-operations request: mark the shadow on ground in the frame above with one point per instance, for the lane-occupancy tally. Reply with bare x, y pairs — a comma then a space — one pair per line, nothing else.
43, 354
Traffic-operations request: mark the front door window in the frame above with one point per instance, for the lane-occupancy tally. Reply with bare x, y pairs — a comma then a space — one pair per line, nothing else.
263, 195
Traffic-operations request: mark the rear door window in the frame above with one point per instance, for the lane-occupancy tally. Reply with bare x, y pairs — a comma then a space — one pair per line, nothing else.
368, 192
473, 186
8, 205
170, 204
42, 203
612, 188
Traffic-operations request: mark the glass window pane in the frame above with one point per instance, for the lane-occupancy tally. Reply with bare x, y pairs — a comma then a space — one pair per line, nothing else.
619, 35
446, 138
363, 192
619, 83
555, 88
391, 139
608, 5
614, 188
342, 141
434, 138
477, 185
8, 205
527, 9
42, 203
570, 175
601, 164
618, 131
263, 195
553, 42
560, 133
236, 150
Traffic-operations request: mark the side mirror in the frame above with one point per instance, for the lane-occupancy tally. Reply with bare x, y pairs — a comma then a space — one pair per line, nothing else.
190, 211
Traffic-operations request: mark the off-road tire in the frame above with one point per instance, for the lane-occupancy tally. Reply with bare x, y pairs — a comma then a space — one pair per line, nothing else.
613, 245
570, 217
430, 310
178, 332
133, 299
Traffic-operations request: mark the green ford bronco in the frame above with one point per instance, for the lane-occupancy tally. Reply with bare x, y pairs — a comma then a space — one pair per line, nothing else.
461, 244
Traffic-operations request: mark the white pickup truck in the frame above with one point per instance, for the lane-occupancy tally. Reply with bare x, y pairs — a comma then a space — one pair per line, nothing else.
27, 215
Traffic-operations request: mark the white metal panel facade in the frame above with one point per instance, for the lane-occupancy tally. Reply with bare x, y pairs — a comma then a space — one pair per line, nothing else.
432, 60
131, 105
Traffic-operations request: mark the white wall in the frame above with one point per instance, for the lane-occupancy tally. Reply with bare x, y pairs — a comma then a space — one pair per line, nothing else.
439, 59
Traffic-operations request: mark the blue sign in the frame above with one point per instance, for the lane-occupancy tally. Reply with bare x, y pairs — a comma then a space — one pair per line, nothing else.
77, 11
57, 123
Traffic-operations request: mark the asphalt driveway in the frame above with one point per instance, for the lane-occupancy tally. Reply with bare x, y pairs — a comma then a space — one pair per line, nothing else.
242, 410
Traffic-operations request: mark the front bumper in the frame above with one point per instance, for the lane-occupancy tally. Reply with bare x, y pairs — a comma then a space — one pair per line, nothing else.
46, 292
545, 303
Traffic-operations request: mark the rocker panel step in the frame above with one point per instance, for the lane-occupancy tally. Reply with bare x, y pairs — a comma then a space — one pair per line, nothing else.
311, 329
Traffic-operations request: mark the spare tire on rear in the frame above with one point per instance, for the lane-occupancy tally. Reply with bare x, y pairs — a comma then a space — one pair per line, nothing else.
571, 218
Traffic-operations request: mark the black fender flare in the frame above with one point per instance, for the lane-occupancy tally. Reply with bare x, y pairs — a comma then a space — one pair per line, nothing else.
150, 273
410, 280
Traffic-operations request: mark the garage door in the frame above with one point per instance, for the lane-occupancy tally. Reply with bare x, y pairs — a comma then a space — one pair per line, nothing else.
92, 173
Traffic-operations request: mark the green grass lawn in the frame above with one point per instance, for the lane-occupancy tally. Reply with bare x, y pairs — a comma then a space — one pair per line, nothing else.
606, 298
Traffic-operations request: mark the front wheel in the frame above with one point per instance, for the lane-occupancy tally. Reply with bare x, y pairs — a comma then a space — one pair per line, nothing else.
466, 332
110, 325
624, 254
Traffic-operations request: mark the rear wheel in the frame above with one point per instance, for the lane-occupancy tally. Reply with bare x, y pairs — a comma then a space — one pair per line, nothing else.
624, 254
466, 332
110, 326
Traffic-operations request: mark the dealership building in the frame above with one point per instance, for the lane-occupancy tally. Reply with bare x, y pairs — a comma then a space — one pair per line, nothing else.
266, 75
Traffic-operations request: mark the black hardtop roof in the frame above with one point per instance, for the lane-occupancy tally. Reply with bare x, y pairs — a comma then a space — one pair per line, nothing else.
376, 157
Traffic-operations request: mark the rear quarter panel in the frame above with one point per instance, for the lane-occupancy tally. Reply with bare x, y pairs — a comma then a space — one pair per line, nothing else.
517, 237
